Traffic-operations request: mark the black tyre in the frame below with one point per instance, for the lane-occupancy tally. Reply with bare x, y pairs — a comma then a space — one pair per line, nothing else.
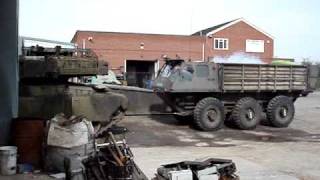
280, 111
209, 114
246, 114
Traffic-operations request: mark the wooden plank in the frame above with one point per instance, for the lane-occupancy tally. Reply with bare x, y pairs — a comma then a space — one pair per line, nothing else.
264, 76
275, 79
291, 77
259, 79
265, 69
263, 88
265, 79
242, 78
263, 72
283, 74
264, 83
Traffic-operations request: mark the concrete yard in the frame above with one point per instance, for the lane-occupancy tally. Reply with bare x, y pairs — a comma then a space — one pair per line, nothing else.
264, 153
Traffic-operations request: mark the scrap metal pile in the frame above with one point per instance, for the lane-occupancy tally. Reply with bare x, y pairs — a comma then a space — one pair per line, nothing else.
210, 169
88, 154
112, 160
83, 152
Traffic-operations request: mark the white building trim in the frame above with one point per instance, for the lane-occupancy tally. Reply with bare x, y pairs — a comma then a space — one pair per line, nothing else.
235, 22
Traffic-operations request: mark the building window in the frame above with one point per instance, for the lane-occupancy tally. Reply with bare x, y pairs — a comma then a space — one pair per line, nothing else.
221, 43
256, 46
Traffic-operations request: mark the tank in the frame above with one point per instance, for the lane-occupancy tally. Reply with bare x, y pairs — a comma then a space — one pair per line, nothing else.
50, 84
57, 63
209, 93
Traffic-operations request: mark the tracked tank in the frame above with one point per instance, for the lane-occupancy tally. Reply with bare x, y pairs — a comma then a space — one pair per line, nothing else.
50, 83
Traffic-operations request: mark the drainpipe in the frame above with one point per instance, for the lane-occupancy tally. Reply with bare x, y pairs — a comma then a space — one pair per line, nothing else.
83, 44
203, 51
203, 46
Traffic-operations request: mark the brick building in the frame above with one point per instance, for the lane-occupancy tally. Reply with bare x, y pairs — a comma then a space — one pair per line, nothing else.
139, 55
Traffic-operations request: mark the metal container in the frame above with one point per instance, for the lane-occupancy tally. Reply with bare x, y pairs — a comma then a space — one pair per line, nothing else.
8, 160
28, 137
181, 175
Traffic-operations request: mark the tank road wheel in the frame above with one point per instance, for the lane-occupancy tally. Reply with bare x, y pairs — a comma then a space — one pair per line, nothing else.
246, 114
280, 111
209, 114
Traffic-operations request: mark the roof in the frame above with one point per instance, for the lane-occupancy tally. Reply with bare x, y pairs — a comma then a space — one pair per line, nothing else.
219, 27
206, 31
31, 41
132, 33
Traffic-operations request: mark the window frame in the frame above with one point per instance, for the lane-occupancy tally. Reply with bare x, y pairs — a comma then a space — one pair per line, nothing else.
223, 40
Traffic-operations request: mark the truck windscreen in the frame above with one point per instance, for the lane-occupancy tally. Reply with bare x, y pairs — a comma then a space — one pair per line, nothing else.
166, 70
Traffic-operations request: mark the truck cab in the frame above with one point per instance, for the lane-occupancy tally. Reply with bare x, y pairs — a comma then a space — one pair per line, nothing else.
179, 76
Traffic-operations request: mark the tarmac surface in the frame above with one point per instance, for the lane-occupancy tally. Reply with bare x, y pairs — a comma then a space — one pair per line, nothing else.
263, 153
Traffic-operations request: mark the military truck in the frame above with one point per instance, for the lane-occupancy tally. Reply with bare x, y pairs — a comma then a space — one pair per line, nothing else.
211, 93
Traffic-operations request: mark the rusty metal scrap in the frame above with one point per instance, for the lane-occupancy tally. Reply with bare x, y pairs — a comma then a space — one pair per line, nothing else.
223, 169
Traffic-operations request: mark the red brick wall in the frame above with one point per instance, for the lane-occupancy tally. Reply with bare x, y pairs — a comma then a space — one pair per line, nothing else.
237, 35
117, 47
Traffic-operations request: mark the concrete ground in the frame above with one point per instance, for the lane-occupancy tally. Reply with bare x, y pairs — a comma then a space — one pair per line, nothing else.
263, 153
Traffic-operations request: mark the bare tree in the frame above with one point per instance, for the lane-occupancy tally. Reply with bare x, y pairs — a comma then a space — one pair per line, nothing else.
306, 61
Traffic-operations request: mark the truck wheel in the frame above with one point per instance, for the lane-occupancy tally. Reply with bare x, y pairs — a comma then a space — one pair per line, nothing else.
246, 114
280, 111
209, 114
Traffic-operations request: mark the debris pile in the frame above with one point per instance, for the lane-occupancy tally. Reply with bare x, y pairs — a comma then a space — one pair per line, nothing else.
75, 147
210, 169
67, 137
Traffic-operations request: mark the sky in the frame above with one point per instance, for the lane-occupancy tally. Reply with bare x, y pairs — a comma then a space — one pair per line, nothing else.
294, 24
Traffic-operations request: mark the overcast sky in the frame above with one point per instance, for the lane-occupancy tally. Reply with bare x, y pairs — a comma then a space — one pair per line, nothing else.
295, 24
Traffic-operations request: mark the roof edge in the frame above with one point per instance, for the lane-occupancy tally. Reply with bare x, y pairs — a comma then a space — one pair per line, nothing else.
91, 31
235, 22
200, 32
74, 36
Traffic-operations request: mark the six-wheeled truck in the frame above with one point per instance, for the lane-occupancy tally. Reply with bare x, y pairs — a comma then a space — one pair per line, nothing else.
212, 92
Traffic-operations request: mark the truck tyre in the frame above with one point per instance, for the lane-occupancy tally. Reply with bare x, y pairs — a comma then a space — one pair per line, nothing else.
246, 114
209, 114
280, 111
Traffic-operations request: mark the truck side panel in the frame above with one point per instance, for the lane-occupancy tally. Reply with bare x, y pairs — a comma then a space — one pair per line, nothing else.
262, 77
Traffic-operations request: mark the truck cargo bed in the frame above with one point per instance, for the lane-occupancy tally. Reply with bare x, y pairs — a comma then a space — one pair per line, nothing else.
263, 77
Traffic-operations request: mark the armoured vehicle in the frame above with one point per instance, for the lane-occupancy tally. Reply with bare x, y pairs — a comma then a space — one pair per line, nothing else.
49, 84
211, 92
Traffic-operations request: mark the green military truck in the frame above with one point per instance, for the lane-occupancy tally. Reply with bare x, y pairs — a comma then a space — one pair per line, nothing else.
212, 92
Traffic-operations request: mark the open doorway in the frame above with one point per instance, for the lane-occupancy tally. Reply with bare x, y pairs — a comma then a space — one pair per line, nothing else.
140, 73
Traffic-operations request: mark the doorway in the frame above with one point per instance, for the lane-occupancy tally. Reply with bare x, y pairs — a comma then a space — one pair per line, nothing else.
140, 73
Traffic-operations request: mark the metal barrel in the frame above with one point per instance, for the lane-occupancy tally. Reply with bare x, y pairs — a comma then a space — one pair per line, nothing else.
8, 160
28, 136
